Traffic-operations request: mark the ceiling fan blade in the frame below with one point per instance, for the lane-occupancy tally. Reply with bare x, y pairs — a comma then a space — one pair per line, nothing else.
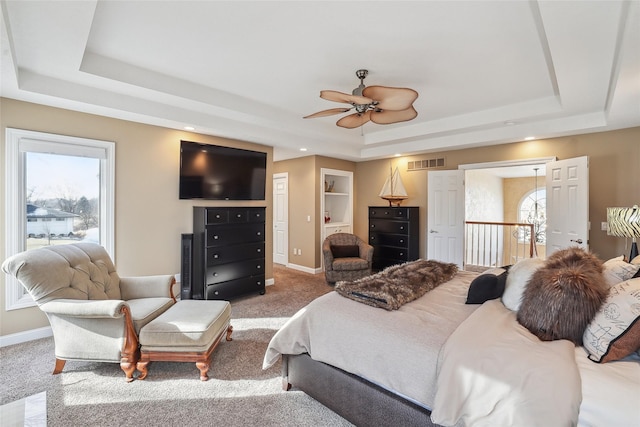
329, 112
333, 95
354, 120
391, 98
389, 116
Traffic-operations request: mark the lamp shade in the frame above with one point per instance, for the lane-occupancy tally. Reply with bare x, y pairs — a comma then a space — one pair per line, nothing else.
624, 222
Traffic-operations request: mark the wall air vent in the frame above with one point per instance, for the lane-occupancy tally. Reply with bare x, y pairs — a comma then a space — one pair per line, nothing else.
425, 164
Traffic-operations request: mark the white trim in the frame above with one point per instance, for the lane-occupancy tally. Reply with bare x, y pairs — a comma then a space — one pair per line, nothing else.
269, 282
20, 337
305, 269
505, 163
17, 142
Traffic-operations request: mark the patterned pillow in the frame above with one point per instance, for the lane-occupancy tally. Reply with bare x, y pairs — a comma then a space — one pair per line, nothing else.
617, 270
614, 333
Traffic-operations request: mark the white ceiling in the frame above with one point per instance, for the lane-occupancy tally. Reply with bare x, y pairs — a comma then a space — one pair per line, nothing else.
488, 72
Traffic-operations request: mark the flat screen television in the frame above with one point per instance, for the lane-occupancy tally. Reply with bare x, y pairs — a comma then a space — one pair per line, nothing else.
213, 172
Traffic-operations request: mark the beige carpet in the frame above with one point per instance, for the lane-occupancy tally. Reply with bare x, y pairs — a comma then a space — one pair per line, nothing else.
239, 392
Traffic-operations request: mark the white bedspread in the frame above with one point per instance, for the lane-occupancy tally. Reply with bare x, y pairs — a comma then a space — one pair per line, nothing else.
494, 372
395, 349
610, 391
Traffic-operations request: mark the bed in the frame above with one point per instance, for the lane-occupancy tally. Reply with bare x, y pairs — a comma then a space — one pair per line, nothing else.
438, 361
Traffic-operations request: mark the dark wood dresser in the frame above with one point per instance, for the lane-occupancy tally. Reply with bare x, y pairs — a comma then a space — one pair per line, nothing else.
394, 235
228, 252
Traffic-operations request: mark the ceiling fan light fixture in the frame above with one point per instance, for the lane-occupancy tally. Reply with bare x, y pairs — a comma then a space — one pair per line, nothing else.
379, 104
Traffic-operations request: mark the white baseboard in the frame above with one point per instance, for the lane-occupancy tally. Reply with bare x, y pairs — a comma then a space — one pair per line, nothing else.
20, 337
269, 282
304, 269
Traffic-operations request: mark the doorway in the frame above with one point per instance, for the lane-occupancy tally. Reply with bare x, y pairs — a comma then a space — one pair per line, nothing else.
281, 218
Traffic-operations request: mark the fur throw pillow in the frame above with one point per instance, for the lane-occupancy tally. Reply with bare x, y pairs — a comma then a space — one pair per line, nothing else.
564, 296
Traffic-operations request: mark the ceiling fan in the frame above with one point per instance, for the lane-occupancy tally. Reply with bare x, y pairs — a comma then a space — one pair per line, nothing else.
380, 104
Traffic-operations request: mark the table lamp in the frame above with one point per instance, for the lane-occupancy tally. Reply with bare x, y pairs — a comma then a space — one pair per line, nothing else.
625, 222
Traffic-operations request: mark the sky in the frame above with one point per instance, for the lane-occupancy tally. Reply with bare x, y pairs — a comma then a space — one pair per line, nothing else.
54, 175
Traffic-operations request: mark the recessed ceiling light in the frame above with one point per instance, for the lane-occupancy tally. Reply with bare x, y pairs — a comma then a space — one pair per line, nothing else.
303, 149
530, 138
189, 128
509, 123
397, 155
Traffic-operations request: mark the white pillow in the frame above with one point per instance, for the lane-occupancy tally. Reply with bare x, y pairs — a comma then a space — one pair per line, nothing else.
617, 270
636, 260
517, 280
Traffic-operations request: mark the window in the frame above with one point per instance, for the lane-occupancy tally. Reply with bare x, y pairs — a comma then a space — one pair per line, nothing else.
47, 199
533, 210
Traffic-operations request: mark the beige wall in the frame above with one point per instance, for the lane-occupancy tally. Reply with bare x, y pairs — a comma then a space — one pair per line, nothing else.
613, 177
149, 217
304, 200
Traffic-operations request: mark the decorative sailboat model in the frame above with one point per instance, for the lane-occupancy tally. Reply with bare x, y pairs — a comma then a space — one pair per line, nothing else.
393, 189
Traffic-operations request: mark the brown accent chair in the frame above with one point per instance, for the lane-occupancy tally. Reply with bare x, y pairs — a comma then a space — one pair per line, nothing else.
346, 257
95, 315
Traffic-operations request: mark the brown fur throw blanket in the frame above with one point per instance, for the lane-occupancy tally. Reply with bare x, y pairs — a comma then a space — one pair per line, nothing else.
563, 296
398, 284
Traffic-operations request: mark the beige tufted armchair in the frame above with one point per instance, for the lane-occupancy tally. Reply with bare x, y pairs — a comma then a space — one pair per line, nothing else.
346, 257
95, 315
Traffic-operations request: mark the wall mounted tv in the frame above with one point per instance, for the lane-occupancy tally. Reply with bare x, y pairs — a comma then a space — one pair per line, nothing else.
213, 172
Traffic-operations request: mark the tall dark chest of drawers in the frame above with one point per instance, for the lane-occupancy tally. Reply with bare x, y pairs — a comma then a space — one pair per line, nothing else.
228, 252
394, 235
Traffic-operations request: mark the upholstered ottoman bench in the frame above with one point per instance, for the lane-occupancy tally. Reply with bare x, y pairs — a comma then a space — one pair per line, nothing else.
188, 331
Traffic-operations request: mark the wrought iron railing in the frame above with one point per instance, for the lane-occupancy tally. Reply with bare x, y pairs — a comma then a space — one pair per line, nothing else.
494, 244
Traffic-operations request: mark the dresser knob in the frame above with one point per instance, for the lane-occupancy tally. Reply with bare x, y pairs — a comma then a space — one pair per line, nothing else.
215, 256
401, 240
216, 293
259, 233
401, 253
215, 237
238, 215
259, 267
215, 274
218, 216
259, 250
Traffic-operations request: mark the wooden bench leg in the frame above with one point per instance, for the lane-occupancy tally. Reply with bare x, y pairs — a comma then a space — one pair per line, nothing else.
59, 366
142, 367
204, 370
128, 368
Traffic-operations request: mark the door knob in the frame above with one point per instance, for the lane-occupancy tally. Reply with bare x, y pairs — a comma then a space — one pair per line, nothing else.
578, 241
432, 231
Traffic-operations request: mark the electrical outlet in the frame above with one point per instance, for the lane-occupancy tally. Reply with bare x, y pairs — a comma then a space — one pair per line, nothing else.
299, 251
295, 251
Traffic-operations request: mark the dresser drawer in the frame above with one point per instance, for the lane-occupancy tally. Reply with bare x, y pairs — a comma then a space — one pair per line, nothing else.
399, 240
391, 252
234, 270
233, 288
217, 216
386, 226
390, 213
223, 254
235, 234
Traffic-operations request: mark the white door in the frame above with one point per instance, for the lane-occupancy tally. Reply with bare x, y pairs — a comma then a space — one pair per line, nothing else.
445, 216
281, 218
567, 184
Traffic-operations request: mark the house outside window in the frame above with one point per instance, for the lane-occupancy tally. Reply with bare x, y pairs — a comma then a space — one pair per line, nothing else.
59, 189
